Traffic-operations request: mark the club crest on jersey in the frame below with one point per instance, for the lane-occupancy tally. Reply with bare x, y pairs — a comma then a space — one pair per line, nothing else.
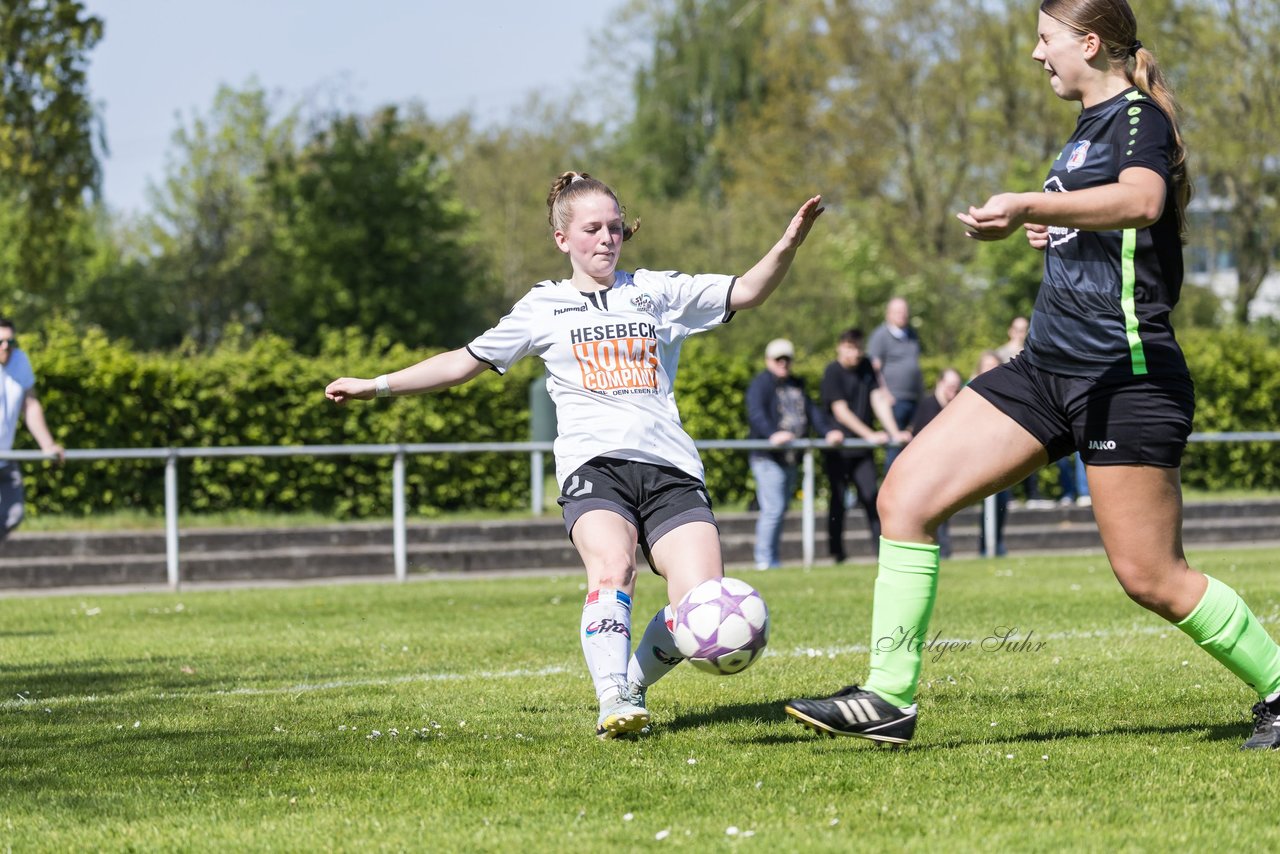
644, 303
1078, 154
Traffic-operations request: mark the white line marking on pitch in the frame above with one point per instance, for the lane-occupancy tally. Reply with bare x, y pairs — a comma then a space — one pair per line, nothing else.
552, 670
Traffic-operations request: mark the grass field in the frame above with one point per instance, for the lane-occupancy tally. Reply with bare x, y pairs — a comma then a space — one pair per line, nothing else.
457, 715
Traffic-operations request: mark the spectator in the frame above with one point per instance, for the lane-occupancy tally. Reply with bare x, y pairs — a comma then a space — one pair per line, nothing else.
944, 391
778, 410
851, 393
1017, 339
1075, 484
894, 349
18, 400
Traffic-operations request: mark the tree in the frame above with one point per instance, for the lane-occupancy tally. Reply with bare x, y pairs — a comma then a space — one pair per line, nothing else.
1231, 93
901, 113
370, 237
502, 175
47, 160
202, 258
700, 79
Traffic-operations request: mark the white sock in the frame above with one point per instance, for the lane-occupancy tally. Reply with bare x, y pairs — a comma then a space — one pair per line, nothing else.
606, 639
656, 654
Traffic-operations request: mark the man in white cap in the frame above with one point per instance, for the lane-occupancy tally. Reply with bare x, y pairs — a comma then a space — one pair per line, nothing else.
779, 410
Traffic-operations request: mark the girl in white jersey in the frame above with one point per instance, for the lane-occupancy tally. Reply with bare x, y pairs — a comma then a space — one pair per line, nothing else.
629, 474
1101, 374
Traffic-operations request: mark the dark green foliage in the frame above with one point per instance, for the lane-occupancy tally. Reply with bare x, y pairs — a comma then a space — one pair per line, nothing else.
701, 78
99, 394
1237, 377
369, 236
47, 160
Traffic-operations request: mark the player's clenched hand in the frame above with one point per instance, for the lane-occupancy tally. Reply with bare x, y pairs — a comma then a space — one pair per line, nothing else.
996, 219
1037, 235
344, 389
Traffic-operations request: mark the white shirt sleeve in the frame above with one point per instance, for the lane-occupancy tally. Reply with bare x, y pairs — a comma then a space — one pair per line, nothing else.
511, 339
693, 303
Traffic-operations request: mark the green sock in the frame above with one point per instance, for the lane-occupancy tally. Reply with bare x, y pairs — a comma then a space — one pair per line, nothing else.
1225, 627
905, 589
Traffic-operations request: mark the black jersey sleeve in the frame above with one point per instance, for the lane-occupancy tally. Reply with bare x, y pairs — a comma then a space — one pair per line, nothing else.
1146, 138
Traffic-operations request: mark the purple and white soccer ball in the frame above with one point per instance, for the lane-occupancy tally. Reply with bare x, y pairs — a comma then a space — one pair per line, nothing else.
722, 626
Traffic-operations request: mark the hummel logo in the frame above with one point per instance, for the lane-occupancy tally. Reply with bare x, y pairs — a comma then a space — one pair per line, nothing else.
578, 488
1102, 445
858, 711
559, 311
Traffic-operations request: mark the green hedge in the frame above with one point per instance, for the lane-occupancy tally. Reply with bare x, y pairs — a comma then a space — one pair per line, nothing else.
1237, 378
98, 394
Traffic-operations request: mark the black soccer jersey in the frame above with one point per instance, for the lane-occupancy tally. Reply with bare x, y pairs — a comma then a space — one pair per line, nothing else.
1103, 307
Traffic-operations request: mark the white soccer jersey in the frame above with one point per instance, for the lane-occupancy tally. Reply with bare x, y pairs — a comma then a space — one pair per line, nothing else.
611, 360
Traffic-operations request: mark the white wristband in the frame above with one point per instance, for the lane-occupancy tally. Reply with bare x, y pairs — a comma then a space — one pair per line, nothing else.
380, 386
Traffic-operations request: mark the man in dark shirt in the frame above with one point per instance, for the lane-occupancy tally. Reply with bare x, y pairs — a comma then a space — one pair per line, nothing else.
851, 394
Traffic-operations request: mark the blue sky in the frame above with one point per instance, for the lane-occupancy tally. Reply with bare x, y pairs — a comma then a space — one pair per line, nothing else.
162, 58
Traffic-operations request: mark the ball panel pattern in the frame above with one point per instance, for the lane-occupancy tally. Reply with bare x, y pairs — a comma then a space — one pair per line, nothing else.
722, 625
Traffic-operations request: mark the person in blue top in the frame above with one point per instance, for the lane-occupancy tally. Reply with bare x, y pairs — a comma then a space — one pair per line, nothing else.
1101, 374
18, 401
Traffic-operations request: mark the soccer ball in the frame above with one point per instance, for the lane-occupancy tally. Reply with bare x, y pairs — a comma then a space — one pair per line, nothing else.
721, 625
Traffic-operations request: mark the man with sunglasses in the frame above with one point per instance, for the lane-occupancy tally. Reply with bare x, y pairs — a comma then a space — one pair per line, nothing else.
778, 409
17, 400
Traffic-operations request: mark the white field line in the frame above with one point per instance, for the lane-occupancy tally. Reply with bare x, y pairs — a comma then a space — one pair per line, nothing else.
20, 702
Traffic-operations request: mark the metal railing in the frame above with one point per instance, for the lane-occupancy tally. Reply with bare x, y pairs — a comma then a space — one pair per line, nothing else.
536, 452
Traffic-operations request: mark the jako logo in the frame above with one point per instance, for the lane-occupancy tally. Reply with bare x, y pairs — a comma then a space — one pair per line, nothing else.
1102, 445
672, 660
607, 625
560, 311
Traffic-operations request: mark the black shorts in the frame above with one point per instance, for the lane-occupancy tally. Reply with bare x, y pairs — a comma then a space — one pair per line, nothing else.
656, 499
1110, 421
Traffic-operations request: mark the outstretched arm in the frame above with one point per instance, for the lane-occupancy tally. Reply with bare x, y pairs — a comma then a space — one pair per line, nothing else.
1136, 200
443, 370
754, 286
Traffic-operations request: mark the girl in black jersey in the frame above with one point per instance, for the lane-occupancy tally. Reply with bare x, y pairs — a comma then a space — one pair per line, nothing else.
1101, 374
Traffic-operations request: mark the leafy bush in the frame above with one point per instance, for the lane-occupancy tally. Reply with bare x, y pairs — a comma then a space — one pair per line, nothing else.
98, 394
